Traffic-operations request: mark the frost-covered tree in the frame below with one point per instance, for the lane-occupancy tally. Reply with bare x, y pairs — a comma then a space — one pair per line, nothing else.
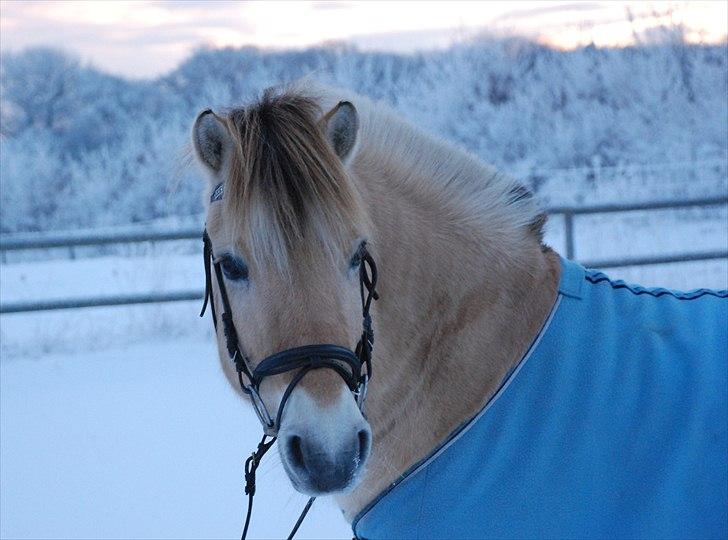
79, 148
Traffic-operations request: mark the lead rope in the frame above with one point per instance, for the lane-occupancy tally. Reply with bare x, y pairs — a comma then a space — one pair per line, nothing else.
251, 465
301, 518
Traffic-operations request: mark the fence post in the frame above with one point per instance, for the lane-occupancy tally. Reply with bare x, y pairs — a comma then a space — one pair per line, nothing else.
569, 232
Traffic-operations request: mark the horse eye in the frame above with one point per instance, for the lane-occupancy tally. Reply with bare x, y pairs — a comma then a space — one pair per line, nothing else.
233, 268
355, 261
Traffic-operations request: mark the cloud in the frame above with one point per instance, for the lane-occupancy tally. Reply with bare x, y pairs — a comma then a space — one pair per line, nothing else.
137, 39
559, 9
332, 5
147, 37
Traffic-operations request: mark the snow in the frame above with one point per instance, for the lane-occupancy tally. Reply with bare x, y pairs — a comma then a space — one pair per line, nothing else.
650, 233
140, 441
95, 329
100, 275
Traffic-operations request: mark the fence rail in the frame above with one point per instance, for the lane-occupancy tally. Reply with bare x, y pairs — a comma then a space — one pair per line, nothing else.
101, 301
70, 240
18, 242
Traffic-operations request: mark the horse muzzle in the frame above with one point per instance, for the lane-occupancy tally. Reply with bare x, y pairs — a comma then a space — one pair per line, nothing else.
323, 448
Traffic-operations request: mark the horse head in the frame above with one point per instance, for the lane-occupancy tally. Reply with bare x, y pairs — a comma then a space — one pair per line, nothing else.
290, 278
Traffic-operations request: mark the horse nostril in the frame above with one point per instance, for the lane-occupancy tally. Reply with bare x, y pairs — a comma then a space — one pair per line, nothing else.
322, 465
364, 442
294, 447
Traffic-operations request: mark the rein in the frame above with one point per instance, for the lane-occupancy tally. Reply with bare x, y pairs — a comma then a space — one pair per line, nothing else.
354, 367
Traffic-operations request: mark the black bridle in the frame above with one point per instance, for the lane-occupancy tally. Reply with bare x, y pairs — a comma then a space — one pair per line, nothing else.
354, 367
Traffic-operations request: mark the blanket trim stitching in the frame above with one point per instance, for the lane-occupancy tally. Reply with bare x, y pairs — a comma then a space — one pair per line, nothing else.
596, 277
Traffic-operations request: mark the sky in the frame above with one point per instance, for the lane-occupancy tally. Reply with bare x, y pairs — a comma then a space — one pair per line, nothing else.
146, 38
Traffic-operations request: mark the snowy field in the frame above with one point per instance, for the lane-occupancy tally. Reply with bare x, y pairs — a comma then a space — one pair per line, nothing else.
141, 441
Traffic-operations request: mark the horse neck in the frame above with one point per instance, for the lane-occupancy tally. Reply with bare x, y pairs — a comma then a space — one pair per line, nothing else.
460, 302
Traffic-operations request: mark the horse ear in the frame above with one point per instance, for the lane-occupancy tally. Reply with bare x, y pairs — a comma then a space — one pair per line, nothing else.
342, 127
211, 140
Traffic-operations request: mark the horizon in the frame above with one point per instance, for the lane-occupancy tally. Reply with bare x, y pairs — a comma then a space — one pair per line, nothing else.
112, 37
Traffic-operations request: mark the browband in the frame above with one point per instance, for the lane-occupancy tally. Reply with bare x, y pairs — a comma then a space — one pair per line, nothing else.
217, 193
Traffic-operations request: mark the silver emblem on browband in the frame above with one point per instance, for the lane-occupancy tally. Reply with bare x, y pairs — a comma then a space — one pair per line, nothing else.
218, 192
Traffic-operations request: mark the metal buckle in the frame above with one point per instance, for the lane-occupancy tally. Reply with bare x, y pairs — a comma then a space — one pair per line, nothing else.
361, 392
269, 425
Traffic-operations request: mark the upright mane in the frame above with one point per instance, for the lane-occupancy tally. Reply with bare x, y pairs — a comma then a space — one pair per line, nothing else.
425, 163
286, 184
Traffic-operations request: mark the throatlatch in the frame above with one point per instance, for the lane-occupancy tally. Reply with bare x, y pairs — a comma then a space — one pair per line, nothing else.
354, 367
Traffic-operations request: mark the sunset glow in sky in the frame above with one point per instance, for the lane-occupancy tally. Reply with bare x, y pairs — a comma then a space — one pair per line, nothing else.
149, 37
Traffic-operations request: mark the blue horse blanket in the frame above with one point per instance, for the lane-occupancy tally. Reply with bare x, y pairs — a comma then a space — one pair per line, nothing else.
612, 425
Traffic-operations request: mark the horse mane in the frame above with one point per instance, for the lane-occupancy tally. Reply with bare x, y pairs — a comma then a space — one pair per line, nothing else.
471, 189
286, 184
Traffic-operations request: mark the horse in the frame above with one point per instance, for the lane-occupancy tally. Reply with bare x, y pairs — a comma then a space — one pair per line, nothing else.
511, 393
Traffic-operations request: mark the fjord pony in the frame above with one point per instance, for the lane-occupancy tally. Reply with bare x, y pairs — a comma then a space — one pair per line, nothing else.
465, 282
306, 180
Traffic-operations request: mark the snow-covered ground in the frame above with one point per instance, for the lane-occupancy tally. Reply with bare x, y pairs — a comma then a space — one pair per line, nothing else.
140, 441
99, 328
